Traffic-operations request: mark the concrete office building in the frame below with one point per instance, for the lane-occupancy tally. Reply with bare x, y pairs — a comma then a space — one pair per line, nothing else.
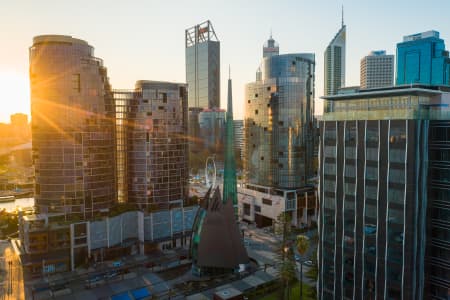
73, 127
279, 139
384, 191
377, 70
423, 59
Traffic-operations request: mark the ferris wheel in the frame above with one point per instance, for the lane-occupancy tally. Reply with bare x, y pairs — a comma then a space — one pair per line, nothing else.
210, 172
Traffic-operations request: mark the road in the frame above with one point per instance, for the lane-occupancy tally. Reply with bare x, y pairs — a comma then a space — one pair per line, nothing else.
11, 274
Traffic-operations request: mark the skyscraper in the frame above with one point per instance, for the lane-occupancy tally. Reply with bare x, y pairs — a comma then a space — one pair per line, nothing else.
384, 190
377, 70
279, 122
279, 139
334, 62
152, 144
202, 77
202, 66
73, 127
422, 59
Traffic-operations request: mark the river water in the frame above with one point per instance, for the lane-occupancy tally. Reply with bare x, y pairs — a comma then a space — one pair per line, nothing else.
11, 206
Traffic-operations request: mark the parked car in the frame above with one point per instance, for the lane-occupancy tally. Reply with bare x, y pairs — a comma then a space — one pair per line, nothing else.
308, 263
93, 281
111, 274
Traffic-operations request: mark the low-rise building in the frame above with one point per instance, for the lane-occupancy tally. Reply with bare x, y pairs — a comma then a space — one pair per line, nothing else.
262, 205
50, 244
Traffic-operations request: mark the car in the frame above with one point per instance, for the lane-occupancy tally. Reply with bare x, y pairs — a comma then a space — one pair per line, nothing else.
117, 263
297, 257
308, 263
111, 274
93, 281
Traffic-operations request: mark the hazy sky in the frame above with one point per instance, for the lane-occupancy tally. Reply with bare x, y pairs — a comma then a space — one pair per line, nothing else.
145, 39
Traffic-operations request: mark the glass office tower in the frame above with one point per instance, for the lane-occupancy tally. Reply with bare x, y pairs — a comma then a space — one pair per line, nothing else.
279, 140
202, 77
422, 59
73, 127
384, 186
203, 66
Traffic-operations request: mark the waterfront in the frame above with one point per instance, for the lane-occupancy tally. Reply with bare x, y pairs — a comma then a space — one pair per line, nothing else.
22, 203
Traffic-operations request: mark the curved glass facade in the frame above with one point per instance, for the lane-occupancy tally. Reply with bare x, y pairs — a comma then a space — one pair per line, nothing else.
279, 124
73, 127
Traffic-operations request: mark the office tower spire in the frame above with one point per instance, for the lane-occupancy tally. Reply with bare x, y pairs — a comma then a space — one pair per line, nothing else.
342, 14
271, 47
229, 179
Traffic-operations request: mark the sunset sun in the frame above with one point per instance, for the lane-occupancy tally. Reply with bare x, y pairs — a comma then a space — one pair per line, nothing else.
15, 94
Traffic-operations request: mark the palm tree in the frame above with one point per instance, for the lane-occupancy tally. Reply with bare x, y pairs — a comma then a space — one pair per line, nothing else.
302, 244
285, 257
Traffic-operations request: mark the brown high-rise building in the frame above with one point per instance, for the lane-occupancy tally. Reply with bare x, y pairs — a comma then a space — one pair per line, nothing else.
152, 121
73, 127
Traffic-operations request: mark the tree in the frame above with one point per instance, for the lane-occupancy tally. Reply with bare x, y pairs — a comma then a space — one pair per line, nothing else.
313, 274
302, 245
286, 261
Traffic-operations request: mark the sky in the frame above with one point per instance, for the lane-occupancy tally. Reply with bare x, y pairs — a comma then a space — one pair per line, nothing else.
145, 39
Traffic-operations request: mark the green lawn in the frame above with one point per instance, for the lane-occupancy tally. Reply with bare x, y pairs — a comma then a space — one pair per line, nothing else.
295, 293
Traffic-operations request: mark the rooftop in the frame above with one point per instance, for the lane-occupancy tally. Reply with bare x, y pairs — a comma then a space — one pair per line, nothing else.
377, 52
421, 35
416, 89
54, 38
393, 103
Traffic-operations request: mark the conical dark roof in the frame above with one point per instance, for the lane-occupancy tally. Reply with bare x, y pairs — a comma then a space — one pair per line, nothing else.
219, 242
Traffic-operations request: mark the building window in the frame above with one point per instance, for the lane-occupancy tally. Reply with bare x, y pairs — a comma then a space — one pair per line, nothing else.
246, 209
76, 85
267, 201
257, 208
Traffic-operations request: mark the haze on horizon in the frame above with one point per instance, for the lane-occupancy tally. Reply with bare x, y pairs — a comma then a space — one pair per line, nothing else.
145, 39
